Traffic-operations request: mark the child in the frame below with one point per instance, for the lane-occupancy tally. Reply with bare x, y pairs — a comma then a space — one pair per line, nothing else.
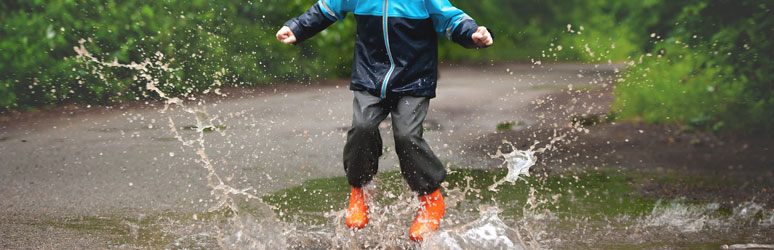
395, 71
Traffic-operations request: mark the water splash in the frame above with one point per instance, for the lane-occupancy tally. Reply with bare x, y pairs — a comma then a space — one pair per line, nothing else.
220, 190
518, 162
488, 232
679, 217
242, 231
748, 210
246, 232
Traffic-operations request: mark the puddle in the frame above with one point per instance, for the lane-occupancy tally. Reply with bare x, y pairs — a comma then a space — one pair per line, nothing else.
593, 209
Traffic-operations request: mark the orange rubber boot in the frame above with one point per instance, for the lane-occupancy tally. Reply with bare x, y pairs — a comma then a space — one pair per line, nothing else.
357, 213
429, 215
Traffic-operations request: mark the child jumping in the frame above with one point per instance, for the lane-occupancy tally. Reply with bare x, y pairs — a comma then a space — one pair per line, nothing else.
394, 71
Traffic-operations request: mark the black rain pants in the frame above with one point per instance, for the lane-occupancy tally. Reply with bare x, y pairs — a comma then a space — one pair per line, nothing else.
420, 167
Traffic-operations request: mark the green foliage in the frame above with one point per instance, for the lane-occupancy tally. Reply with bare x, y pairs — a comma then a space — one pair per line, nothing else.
231, 42
533, 29
711, 71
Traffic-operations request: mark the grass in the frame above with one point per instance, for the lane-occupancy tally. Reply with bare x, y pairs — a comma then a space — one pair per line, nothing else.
310, 199
508, 125
694, 87
585, 120
207, 129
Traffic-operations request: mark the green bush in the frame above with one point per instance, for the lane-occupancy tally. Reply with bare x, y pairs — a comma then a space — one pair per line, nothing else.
712, 71
229, 41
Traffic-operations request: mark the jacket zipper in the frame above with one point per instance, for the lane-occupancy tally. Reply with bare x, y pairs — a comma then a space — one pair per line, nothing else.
389, 53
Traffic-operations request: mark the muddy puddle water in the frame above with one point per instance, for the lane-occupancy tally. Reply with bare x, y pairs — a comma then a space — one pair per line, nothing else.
586, 209
504, 208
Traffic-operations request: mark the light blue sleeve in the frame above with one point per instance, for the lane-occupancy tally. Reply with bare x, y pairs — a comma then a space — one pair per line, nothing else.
445, 17
336, 10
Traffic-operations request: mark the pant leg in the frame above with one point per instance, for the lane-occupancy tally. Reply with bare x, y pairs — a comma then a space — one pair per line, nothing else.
423, 171
364, 144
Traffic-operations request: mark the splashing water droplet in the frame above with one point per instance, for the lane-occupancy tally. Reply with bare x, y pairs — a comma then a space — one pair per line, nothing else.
519, 162
488, 232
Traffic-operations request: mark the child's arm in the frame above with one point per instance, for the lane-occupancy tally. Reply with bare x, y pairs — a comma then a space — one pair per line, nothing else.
457, 26
321, 15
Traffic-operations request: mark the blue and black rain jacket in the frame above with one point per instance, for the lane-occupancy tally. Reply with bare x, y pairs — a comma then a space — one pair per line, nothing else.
396, 49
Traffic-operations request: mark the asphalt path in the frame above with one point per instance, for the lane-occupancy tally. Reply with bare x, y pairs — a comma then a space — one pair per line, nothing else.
125, 160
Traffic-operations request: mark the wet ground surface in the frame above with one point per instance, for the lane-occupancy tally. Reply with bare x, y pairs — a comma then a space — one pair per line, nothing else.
78, 177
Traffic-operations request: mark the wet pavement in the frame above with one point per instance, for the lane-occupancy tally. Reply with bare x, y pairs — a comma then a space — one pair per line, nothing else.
125, 162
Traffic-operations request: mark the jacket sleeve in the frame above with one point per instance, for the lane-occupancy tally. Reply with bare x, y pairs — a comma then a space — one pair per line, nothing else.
452, 23
321, 15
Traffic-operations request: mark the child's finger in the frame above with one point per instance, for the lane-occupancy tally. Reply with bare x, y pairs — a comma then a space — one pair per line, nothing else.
289, 40
481, 30
281, 35
487, 38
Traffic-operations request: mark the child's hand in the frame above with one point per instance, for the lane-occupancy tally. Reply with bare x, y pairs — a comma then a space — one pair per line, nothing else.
482, 38
286, 36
